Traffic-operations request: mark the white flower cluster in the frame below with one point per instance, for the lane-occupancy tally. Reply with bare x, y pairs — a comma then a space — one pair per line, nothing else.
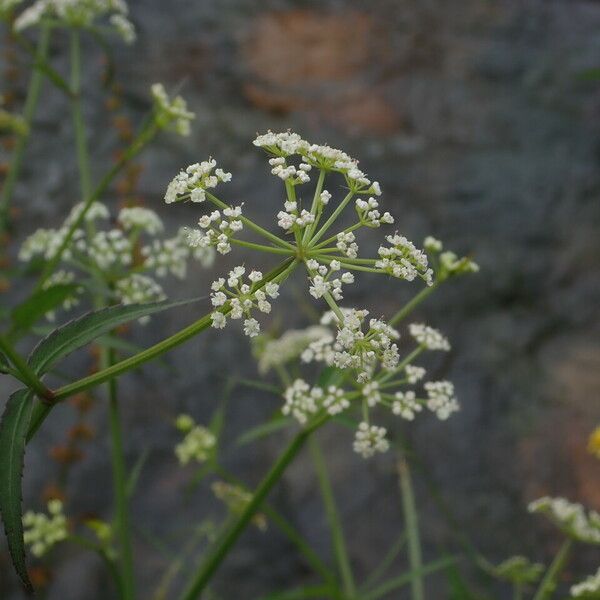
441, 399
216, 229
587, 589
171, 113
107, 249
406, 405
194, 181
286, 144
346, 244
429, 337
570, 518
414, 374
137, 217
79, 13
289, 346
303, 401
290, 217
61, 277
139, 289
198, 441
369, 214
322, 283
355, 349
42, 531
370, 439
44, 243
241, 298
120, 254
290, 173
402, 259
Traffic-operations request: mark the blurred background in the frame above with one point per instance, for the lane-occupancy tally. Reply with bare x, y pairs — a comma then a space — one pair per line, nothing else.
481, 121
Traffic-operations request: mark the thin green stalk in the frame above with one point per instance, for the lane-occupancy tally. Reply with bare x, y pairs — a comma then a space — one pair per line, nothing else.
158, 349
28, 376
333, 238
31, 103
83, 160
397, 582
313, 209
336, 213
312, 558
231, 533
549, 582
261, 247
252, 225
412, 304
518, 591
386, 563
119, 472
112, 568
412, 530
335, 525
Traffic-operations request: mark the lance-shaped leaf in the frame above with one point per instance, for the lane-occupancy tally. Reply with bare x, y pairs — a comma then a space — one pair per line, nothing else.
80, 332
13, 429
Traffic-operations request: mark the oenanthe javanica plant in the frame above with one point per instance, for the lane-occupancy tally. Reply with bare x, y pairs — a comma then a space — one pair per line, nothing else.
362, 368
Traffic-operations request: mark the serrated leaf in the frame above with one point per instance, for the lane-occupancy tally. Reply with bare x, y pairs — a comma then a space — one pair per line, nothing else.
79, 332
39, 304
13, 429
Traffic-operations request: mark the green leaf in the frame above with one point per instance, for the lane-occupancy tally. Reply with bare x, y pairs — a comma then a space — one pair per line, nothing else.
263, 430
78, 333
86, 329
34, 308
13, 428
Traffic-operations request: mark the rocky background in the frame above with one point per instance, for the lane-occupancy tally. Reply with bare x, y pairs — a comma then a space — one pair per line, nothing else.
480, 120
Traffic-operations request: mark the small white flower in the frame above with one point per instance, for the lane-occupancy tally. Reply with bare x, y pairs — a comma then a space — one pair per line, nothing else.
441, 399
405, 405
369, 440
429, 337
251, 327
218, 320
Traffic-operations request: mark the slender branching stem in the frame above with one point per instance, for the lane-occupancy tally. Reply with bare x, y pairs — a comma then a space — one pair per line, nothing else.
31, 103
229, 536
252, 225
412, 530
335, 525
27, 375
334, 215
549, 582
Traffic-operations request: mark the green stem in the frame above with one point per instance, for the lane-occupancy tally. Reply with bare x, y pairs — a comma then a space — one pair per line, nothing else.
412, 530
31, 103
335, 525
110, 565
313, 209
548, 584
27, 375
412, 304
158, 349
333, 238
231, 533
252, 225
518, 591
119, 471
331, 220
261, 247
83, 160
